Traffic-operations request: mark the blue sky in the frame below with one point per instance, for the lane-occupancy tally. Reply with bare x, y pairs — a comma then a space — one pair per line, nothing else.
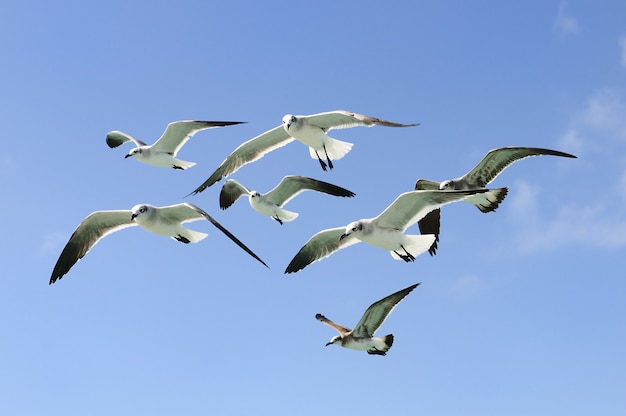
521, 312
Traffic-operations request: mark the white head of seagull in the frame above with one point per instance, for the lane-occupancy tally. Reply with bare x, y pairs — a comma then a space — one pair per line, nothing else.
385, 231
163, 152
165, 221
272, 202
310, 130
362, 336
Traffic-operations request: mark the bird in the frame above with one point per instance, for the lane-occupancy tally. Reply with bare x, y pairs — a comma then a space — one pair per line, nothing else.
165, 221
309, 129
163, 152
362, 336
385, 231
494, 162
271, 203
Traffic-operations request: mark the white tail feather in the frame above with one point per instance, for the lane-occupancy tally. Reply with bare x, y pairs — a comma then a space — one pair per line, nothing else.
336, 149
286, 216
415, 245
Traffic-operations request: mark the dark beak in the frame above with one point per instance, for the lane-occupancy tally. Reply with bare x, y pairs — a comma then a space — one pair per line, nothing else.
128, 155
343, 236
132, 217
328, 343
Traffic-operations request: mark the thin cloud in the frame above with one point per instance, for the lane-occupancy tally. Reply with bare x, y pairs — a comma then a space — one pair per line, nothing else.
565, 24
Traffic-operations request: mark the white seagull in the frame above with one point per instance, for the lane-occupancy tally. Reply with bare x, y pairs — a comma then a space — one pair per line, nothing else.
311, 130
271, 203
362, 336
494, 162
385, 231
163, 152
166, 221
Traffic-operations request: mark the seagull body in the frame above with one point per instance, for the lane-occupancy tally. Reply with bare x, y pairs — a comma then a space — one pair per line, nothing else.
309, 129
163, 152
166, 221
362, 336
494, 162
385, 231
272, 202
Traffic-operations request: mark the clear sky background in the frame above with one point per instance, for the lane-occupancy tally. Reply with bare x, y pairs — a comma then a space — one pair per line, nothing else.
521, 312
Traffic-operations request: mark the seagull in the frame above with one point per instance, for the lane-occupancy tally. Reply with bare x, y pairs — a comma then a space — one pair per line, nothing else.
385, 231
494, 162
163, 152
311, 130
166, 221
362, 336
271, 203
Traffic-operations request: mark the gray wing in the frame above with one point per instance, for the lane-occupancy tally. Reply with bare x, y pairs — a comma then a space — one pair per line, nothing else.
188, 212
116, 138
412, 206
249, 151
178, 133
231, 191
496, 160
290, 186
320, 246
376, 314
341, 119
341, 329
430, 223
94, 227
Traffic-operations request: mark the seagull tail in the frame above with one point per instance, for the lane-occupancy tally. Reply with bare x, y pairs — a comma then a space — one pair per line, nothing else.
186, 235
287, 216
388, 340
488, 201
335, 149
181, 164
414, 245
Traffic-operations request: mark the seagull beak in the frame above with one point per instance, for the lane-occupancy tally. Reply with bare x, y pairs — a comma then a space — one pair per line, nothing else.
328, 343
133, 216
127, 156
344, 235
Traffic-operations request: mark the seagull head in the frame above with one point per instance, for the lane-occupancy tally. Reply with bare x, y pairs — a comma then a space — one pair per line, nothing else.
352, 228
254, 194
288, 120
446, 185
333, 340
137, 211
133, 153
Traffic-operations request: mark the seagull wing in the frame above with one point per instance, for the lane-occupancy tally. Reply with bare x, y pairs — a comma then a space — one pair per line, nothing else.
116, 138
430, 223
290, 186
187, 212
231, 191
412, 206
177, 133
341, 119
426, 185
343, 331
94, 227
496, 160
249, 151
376, 314
320, 246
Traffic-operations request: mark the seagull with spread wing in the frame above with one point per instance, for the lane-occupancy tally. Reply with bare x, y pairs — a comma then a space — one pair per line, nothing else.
309, 129
165, 221
385, 231
362, 336
272, 202
163, 152
494, 162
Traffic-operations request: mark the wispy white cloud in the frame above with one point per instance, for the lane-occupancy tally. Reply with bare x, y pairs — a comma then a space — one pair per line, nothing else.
606, 112
8, 167
622, 47
52, 243
564, 23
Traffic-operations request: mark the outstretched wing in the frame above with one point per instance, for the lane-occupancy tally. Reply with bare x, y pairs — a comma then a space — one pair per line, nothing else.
430, 223
496, 160
94, 227
341, 119
231, 191
290, 186
116, 138
412, 206
341, 329
376, 314
320, 246
178, 133
248, 152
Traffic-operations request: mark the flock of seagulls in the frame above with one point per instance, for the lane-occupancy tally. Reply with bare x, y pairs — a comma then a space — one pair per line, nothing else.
387, 230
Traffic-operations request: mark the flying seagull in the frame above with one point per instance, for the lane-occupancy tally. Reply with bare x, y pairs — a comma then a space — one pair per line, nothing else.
362, 336
311, 130
271, 203
494, 162
163, 152
385, 231
166, 221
